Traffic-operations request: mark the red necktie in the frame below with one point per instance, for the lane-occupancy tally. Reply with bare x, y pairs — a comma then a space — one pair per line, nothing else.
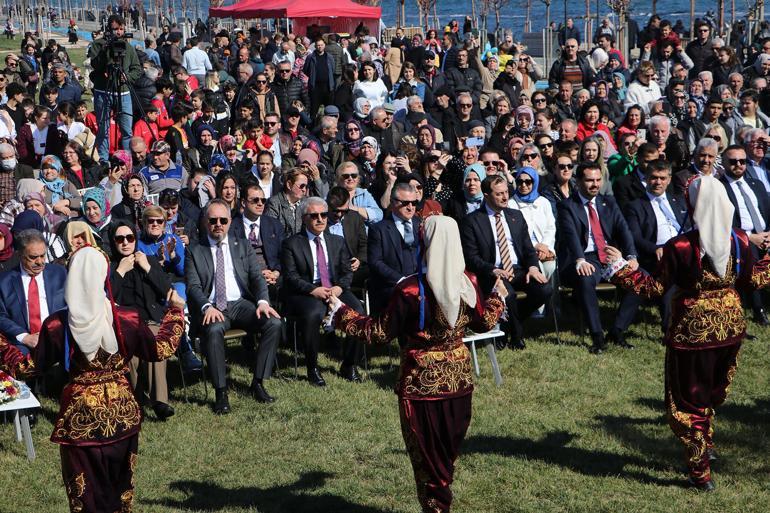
596, 229
33, 302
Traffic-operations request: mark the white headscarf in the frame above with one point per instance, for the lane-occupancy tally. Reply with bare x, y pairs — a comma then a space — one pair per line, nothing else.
713, 216
90, 311
446, 267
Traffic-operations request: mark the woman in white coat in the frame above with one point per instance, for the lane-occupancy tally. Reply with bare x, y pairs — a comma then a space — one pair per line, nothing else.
539, 216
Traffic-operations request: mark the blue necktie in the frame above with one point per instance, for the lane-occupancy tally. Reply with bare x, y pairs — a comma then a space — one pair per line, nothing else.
408, 233
668, 213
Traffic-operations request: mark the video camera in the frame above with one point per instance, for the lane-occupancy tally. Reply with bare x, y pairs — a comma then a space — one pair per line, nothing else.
117, 45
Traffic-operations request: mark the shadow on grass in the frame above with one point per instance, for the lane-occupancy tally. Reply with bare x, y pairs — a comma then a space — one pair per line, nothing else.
294, 497
553, 450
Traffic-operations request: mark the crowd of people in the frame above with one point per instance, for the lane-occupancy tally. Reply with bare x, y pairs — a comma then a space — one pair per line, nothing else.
261, 176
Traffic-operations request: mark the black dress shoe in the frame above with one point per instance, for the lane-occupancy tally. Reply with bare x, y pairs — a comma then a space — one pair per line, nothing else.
619, 339
221, 404
708, 486
599, 345
163, 410
760, 317
315, 378
350, 373
190, 363
500, 343
518, 344
260, 394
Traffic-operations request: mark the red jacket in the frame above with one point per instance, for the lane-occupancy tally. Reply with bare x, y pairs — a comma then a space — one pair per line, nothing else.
164, 120
150, 132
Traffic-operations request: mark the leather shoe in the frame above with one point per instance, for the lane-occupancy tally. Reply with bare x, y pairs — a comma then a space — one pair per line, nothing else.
707, 486
619, 339
221, 404
260, 394
163, 410
760, 317
190, 363
315, 378
350, 373
518, 344
599, 345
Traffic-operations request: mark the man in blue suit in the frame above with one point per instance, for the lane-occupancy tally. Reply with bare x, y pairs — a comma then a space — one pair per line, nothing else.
29, 294
264, 233
752, 211
392, 246
653, 219
588, 222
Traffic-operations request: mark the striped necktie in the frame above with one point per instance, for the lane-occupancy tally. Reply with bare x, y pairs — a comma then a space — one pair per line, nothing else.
502, 243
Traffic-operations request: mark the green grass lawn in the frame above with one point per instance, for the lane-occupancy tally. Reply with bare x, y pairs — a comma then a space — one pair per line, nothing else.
567, 431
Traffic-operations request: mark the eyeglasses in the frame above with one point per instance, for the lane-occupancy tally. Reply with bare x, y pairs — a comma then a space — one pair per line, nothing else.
120, 239
489, 163
257, 201
354, 129
155, 220
565, 166
407, 203
318, 216
349, 176
528, 156
213, 221
570, 46
737, 162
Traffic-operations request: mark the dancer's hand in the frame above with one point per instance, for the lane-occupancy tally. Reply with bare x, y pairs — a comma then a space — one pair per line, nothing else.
174, 300
500, 288
613, 254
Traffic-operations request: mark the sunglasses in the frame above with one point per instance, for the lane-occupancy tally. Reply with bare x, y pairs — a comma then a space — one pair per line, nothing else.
528, 156
257, 201
737, 162
340, 210
284, 70
539, 100
520, 181
349, 176
213, 221
464, 105
120, 239
489, 163
155, 220
354, 129
717, 138
545, 145
318, 216
271, 123
565, 166
261, 81
406, 203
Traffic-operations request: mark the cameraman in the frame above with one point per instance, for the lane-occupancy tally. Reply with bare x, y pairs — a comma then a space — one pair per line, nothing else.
104, 52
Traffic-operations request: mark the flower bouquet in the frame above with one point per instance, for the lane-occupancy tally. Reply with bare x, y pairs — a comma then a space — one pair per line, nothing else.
9, 388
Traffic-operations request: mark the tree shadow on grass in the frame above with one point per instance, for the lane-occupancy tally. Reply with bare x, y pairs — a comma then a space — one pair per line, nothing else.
553, 450
294, 497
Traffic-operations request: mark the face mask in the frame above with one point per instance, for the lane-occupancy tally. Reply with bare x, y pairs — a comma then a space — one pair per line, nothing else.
8, 164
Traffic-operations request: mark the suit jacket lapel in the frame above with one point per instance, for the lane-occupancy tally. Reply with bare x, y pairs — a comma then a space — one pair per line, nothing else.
307, 253
395, 238
19, 286
601, 212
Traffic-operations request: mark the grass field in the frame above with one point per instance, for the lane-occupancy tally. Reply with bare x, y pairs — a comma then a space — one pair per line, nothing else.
567, 431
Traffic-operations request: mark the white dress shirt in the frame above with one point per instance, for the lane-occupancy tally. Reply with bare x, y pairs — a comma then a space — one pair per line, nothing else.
493, 221
747, 224
231, 284
591, 246
247, 228
666, 230
38, 139
400, 225
25, 281
311, 240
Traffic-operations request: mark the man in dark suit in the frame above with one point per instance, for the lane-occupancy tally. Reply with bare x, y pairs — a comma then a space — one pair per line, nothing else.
349, 225
587, 223
703, 159
632, 186
393, 245
30, 293
316, 266
264, 233
653, 219
226, 288
752, 212
496, 244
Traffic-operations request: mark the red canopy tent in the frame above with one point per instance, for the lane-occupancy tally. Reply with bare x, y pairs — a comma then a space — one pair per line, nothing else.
337, 15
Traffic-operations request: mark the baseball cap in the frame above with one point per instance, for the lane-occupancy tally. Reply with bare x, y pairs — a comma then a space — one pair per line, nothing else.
331, 110
161, 147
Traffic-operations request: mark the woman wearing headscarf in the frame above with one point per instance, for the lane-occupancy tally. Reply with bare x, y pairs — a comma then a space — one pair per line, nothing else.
78, 234
352, 138
361, 108
99, 419
133, 202
95, 215
470, 198
538, 214
32, 220
60, 193
429, 313
708, 266
206, 143
8, 257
